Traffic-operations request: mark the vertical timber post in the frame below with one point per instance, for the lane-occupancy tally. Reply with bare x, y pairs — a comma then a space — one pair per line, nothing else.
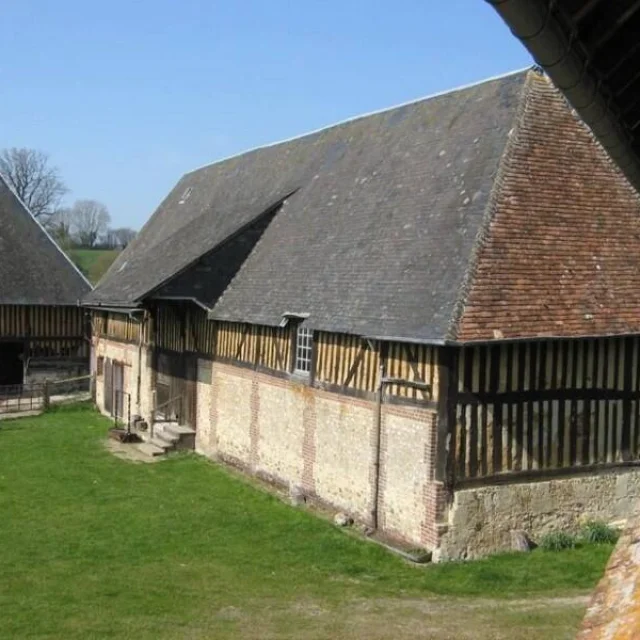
46, 399
445, 438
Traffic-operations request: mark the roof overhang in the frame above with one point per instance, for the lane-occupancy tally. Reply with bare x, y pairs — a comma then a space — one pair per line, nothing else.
113, 308
181, 299
591, 51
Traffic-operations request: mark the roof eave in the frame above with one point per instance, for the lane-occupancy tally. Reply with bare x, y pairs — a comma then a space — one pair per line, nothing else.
535, 26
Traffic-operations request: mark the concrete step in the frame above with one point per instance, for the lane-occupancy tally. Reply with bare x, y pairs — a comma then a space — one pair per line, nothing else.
150, 449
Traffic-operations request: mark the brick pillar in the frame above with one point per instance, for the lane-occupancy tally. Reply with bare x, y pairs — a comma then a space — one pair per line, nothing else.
254, 429
213, 412
309, 445
435, 492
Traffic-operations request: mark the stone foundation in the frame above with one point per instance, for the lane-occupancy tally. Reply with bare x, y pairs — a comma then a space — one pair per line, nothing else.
480, 519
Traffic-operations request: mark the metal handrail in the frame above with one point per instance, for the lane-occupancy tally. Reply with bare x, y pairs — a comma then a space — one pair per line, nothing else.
168, 402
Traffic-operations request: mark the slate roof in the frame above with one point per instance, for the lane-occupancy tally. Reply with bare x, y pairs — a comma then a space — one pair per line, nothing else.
380, 218
33, 269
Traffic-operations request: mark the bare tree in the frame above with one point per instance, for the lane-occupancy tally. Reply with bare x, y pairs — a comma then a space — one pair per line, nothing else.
89, 220
36, 182
122, 236
59, 225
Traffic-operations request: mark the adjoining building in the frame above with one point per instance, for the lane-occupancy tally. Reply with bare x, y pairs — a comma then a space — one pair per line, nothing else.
44, 332
428, 317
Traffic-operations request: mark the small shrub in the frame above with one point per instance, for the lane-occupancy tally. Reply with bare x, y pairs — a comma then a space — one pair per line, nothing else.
598, 532
557, 541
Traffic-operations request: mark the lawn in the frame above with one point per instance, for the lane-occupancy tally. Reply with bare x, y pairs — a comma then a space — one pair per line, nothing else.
93, 262
94, 546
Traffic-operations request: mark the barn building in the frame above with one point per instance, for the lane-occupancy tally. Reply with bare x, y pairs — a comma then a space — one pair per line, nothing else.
43, 328
428, 317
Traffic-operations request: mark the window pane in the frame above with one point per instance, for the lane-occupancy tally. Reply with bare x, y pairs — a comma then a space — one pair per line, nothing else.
304, 349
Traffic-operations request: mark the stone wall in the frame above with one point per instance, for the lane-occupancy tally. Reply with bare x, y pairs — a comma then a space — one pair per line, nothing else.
131, 357
293, 434
41, 370
480, 519
614, 609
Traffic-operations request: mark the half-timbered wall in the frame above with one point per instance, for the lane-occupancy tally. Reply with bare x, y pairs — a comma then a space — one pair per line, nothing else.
183, 327
50, 331
265, 347
411, 363
351, 362
120, 326
41, 322
526, 407
342, 362
346, 361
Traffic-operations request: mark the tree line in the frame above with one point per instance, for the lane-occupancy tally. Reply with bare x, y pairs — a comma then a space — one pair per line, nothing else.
86, 223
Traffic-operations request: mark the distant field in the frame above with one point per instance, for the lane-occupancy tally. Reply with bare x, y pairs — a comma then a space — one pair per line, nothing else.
93, 262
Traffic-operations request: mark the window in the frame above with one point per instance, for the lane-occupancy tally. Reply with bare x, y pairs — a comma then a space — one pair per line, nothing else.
304, 348
100, 367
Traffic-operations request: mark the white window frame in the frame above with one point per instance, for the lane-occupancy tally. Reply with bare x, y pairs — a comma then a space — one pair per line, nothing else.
303, 352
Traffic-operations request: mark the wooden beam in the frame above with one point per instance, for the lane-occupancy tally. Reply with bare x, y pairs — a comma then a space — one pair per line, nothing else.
446, 429
585, 10
356, 363
618, 22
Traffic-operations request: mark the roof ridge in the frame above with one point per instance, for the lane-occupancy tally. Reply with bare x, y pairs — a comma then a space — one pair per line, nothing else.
407, 103
490, 209
46, 233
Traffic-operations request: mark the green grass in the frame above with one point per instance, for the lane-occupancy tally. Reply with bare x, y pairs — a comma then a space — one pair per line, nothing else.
93, 262
97, 547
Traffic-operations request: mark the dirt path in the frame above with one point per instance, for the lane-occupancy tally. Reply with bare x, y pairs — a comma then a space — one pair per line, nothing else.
435, 618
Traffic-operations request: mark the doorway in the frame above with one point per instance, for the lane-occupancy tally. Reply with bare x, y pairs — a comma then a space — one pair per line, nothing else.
11, 365
176, 386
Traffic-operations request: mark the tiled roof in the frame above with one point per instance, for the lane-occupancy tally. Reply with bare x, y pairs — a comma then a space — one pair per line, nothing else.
561, 253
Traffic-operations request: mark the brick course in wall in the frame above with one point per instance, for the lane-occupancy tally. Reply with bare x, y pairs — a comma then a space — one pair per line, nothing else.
296, 435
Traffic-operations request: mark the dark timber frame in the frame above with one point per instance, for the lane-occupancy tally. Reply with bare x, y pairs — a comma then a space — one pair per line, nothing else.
540, 408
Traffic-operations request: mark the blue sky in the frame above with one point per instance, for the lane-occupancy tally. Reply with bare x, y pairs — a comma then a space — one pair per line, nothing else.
128, 96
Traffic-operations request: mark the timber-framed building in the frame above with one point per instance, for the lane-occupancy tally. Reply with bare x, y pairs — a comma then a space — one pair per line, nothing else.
428, 317
44, 332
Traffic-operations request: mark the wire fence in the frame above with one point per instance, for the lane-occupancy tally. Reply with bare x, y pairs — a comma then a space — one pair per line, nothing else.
40, 396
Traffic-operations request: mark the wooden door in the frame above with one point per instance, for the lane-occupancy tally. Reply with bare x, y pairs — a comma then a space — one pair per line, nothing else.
118, 390
190, 390
108, 386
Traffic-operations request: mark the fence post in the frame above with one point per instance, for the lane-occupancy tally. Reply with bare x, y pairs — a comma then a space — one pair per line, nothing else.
128, 413
46, 398
152, 419
92, 386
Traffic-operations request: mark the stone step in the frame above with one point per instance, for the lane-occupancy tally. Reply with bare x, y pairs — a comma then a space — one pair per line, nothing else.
178, 430
150, 449
162, 433
160, 443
